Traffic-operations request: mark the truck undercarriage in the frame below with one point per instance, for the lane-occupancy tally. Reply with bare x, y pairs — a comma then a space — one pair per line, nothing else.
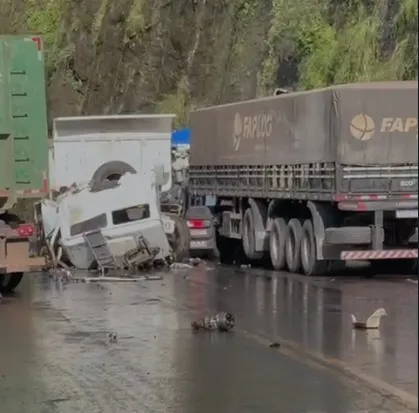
306, 218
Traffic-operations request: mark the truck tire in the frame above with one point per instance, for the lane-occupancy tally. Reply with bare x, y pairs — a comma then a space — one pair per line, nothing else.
293, 245
309, 262
181, 242
9, 282
249, 241
111, 171
277, 238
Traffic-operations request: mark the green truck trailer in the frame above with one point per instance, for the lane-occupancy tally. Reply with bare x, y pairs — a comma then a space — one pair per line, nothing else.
23, 150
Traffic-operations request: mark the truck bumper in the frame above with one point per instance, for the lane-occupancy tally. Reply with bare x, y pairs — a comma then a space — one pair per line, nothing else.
26, 265
15, 257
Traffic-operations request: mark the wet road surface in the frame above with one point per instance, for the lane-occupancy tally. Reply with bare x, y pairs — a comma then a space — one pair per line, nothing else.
56, 357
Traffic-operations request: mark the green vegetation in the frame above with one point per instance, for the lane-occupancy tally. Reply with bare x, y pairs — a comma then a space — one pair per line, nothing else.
364, 41
177, 103
47, 19
136, 21
98, 21
169, 57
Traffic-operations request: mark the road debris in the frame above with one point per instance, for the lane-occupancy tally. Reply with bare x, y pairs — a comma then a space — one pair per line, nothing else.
275, 344
61, 274
193, 262
180, 266
372, 322
113, 337
221, 322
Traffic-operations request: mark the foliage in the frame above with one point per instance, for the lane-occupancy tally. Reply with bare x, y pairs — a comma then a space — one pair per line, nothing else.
98, 21
136, 21
332, 52
47, 19
172, 55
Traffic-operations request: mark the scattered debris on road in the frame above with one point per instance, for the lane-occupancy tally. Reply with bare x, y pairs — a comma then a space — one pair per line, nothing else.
107, 278
113, 337
373, 322
275, 344
221, 322
193, 262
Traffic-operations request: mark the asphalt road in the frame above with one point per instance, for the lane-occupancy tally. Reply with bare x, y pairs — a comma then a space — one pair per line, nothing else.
56, 357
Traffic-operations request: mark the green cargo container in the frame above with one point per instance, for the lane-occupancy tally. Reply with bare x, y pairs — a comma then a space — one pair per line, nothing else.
23, 118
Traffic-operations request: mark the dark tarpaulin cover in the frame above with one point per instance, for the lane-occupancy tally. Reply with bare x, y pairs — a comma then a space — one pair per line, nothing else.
357, 124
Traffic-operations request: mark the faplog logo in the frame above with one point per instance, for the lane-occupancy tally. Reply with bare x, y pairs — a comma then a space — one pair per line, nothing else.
253, 128
363, 127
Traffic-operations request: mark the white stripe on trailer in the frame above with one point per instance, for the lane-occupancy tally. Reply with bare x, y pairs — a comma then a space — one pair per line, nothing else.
379, 255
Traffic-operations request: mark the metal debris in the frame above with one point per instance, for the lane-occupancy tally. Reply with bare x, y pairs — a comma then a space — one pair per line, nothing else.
193, 262
61, 274
372, 322
108, 278
180, 266
221, 322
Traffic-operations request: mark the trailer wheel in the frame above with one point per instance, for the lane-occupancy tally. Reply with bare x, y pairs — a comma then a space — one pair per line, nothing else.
9, 282
309, 262
249, 242
293, 245
277, 239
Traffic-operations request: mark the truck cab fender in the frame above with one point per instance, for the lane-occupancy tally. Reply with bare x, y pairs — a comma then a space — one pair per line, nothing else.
260, 213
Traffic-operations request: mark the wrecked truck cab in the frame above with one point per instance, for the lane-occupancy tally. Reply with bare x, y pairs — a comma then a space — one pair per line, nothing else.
123, 213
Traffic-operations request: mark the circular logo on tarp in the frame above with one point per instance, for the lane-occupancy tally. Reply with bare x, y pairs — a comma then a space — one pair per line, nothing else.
237, 131
362, 127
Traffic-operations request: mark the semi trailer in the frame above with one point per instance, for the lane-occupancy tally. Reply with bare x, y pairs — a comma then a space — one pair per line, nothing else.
23, 150
309, 179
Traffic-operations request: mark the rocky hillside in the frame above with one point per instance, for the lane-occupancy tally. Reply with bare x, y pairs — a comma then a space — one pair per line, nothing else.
168, 56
